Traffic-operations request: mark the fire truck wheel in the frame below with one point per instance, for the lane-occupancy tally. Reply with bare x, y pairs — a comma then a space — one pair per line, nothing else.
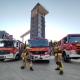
66, 57
17, 57
1, 59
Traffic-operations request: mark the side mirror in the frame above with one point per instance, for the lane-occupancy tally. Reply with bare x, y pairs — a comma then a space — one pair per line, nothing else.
17, 44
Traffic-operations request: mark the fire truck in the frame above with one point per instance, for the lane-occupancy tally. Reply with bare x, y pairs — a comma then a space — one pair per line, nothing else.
70, 46
10, 49
39, 49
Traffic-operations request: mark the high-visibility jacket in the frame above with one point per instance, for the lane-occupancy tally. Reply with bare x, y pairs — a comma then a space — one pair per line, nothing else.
58, 54
25, 55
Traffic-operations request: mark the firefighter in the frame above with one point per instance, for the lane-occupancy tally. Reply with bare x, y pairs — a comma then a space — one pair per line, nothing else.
26, 59
58, 58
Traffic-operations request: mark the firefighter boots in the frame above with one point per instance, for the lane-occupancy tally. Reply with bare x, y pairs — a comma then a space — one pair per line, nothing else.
61, 72
22, 67
31, 69
57, 68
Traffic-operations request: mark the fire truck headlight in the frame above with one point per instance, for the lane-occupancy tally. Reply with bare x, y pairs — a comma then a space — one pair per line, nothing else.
46, 52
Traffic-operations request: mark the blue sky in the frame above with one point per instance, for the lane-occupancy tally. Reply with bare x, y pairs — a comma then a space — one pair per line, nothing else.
63, 17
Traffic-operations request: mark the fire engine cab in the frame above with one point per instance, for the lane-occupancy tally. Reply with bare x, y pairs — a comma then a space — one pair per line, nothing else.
9, 49
39, 49
70, 46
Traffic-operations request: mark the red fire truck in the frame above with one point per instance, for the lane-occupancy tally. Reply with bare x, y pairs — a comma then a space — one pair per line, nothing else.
70, 45
39, 49
10, 49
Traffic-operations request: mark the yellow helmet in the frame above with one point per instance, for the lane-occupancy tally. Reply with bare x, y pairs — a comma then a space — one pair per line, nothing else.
27, 47
55, 43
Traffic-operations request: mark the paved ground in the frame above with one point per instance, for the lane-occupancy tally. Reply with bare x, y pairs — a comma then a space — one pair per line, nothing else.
42, 71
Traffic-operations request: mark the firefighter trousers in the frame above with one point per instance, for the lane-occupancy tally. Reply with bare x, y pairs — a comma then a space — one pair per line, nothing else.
58, 59
27, 64
60, 66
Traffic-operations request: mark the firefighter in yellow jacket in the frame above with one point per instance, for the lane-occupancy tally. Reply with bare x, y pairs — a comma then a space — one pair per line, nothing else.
58, 58
26, 59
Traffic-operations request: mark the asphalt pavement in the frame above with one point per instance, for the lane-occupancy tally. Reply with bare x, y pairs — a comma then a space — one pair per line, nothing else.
42, 71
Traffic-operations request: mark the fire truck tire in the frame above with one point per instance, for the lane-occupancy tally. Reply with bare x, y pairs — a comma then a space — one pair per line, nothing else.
66, 57
17, 57
1, 59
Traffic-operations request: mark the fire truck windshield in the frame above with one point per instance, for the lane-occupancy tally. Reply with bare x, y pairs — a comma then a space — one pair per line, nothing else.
39, 43
74, 39
6, 43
